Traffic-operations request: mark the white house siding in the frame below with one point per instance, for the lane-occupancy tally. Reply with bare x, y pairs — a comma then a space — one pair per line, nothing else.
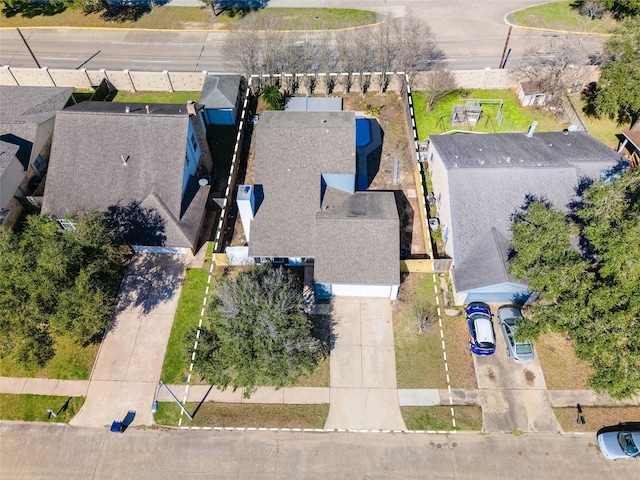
10, 180
440, 181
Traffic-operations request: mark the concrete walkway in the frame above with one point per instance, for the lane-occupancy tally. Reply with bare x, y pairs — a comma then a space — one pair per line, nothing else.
127, 369
363, 384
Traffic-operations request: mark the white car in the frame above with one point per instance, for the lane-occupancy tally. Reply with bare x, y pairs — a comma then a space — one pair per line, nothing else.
620, 441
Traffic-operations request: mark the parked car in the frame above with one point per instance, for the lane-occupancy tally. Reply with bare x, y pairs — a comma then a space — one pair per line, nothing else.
620, 441
482, 337
520, 351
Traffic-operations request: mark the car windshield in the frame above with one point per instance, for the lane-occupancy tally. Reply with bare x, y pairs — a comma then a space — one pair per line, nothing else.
522, 348
625, 439
510, 321
486, 345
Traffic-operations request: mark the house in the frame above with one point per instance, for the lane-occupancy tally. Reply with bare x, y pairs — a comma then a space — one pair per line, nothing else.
27, 118
221, 99
145, 165
304, 207
532, 94
479, 181
631, 143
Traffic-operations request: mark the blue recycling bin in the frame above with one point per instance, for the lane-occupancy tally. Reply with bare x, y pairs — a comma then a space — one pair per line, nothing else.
116, 427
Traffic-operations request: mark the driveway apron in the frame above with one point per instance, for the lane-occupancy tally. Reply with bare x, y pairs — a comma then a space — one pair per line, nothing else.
128, 366
512, 396
363, 393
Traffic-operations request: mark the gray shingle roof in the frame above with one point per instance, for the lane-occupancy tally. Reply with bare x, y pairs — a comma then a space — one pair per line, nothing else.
22, 109
489, 177
7, 153
293, 150
220, 91
358, 240
86, 170
354, 238
313, 104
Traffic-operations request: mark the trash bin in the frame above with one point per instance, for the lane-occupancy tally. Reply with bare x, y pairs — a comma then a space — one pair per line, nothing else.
116, 427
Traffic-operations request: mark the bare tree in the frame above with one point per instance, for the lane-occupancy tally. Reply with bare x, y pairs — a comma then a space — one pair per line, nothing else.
438, 83
412, 42
555, 70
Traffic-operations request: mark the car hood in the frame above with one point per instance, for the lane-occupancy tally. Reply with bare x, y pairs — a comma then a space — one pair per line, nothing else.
610, 447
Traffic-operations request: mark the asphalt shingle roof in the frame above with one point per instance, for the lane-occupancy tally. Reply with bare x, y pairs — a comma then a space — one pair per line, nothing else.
86, 169
220, 91
353, 238
489, 177
7, 153
22, 109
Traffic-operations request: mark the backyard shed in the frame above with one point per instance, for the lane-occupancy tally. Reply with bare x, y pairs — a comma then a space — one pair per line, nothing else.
221, 99
532, 94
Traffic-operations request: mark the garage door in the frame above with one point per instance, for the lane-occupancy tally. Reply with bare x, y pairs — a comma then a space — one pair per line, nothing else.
341, 290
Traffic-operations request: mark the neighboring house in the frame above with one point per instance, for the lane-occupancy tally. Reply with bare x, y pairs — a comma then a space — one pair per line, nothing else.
304, 207
532, 94
27, 118
631, 143
221, 98
146, 165
479, 181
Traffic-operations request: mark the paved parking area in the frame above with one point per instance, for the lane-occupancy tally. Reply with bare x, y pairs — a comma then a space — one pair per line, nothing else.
512, 396
127, 369
363, 389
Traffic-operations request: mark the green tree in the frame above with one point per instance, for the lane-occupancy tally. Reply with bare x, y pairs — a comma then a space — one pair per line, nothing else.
618, 90
586, 267
622, 8
258, 332
55, 284
273, 97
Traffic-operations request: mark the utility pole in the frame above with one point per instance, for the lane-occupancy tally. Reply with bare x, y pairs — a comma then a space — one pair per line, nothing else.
504, 51
28, 48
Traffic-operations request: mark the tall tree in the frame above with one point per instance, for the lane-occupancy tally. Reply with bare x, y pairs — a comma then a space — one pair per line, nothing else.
618, 93
258, 333
55, 284
585, 266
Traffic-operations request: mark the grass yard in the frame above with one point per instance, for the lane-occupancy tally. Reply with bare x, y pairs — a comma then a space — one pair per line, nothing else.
245, 415
33, 408
562, 369
603, 129
419, 359
71, 362
193, 18
175, 367
439, 418
156, 97
596, 417
516, 118
561, 16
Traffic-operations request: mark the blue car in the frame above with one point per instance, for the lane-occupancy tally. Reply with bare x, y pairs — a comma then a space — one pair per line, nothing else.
482, 337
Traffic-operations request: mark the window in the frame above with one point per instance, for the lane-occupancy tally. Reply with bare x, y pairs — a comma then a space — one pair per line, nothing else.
186, 158
194, 142
37, 162
66, 224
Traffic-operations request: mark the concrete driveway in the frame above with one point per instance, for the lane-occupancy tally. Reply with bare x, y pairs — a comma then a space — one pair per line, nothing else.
363, 393
128, 365
512, 396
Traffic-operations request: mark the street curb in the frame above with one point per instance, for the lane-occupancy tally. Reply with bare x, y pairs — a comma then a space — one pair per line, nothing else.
318, 430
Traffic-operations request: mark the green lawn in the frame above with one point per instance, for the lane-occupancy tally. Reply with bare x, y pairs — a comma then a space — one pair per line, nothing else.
156, 97
561, 16
603, 129
33, 408
71, 362
175, 365
516, 118
193, 18
439, 418
245, 415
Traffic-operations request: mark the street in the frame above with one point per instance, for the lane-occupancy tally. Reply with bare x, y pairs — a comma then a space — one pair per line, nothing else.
471, 34
52, 451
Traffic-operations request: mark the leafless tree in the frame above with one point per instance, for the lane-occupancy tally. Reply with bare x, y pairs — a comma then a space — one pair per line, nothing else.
556, 69
438, 82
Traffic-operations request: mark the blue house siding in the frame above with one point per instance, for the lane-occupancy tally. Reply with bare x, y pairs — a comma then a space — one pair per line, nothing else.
192, 156
500, 293
220, 116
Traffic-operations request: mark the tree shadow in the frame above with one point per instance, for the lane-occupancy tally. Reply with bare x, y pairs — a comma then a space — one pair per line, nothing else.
149, 281
136, 225
237, 7
32, 9
406, 215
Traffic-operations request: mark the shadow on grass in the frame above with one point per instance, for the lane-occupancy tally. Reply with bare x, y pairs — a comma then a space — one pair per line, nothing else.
31, 10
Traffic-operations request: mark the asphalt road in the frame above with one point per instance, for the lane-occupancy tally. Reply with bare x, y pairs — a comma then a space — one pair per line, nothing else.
49, 451
471, 34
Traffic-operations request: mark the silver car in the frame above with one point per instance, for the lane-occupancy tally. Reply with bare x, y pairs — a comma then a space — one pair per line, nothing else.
620, 441
520, 351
